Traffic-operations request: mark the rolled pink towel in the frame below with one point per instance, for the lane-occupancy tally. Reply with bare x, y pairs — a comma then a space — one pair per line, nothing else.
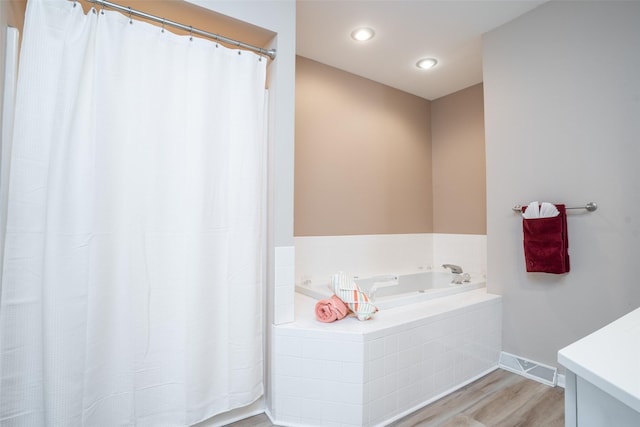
330, 310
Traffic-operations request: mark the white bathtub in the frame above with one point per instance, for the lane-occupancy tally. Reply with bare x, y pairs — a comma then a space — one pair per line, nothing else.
388, 291
353, 373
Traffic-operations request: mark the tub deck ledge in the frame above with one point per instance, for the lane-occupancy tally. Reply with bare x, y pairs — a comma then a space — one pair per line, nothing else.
397, 317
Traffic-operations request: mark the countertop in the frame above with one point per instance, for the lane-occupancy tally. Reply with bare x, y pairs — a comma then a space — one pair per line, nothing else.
610, 359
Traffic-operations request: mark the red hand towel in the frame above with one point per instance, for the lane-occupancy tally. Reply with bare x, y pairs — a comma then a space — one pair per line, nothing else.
546, 244
330, 310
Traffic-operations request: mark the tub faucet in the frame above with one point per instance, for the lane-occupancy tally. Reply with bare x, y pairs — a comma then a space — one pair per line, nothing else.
455, 269
458, 275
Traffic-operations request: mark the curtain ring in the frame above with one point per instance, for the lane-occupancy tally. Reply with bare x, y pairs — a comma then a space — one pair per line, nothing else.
163, 25
75, 3
130, 20
190, 33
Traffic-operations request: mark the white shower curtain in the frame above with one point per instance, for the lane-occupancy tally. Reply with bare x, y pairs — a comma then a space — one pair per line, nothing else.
132, 285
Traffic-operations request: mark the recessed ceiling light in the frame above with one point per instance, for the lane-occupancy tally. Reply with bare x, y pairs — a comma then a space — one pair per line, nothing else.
426, 63
362, 34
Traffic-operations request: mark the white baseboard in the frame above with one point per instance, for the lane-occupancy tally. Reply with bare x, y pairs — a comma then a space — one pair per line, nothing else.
561, 381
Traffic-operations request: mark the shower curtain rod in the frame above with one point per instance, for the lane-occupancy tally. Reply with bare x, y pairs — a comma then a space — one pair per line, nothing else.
271, 53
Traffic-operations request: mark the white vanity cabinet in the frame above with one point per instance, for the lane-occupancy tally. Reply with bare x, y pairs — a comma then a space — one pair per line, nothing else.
602, 382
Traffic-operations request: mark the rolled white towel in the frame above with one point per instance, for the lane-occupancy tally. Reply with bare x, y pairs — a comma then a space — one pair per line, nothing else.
548, 210
532, 211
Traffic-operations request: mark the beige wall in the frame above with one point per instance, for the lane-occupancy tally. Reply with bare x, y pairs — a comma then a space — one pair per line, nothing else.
11, 15
457, 140
362, 156
371, 159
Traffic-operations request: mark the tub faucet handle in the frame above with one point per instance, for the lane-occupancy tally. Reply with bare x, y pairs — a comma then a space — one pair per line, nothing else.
455, 269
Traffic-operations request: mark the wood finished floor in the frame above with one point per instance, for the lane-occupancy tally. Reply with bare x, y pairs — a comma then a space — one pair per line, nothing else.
500, 399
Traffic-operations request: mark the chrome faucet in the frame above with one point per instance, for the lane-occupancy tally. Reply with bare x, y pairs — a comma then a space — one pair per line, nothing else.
458, 276
455, 269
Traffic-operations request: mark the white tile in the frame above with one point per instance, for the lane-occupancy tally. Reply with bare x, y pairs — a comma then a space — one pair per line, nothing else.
416, 336
406, 358
346, 414
289, 406
366, 416
350, 352
287, 386
284, 276
405, 340
363, 255
315, 349
434, 330
312, 369
318, 369
391, 364
366, 372
284, 295
407, 376
285, 255
376, 369
284, 266
440, 362
466, 250
390, 344
440, 381
377, 413
347, 393
409, 397
316, 389
391, 404
312, 410
333, 350
332, 369
287, 365
377, 349
283, 314
427, 368
377, 389
391, 383
287, 345
352, 372
428, 388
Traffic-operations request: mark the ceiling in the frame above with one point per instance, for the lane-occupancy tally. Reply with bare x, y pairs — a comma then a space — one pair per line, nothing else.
448, 30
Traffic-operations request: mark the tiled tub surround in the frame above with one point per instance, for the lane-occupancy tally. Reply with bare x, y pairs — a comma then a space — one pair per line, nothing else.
352, 373
319, 257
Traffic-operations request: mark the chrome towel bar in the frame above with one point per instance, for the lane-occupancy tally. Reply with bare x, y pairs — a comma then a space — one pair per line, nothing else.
591, 206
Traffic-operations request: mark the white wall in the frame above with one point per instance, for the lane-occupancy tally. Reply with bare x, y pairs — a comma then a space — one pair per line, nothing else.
562, 116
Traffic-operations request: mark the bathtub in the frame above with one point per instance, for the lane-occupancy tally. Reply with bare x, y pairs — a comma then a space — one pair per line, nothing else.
389, 291
353, 373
